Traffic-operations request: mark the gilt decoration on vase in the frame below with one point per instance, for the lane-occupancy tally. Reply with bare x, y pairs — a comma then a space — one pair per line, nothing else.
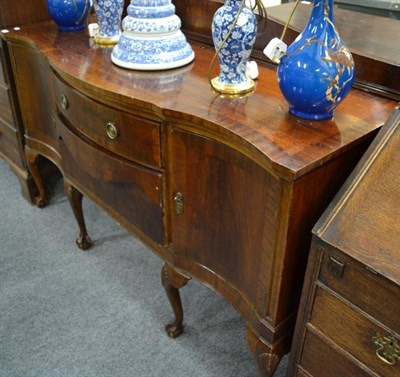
151, 38
109, 13
317, 71
69, 15
234, 45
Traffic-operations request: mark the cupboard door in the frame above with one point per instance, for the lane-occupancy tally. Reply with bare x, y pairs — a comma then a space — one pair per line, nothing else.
223, 209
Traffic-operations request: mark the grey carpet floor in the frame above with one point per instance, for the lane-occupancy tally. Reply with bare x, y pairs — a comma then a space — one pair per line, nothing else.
100, 313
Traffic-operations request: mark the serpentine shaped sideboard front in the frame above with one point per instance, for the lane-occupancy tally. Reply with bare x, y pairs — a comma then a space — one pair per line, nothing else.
224, 190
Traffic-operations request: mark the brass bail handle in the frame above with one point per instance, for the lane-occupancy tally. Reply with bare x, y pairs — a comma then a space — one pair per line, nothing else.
112, 130
64, 102
388, 348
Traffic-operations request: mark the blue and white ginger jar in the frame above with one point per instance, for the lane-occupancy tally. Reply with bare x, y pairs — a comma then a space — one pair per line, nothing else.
152, 39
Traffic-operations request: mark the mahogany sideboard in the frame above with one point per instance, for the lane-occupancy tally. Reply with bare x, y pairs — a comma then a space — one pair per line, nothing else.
225, 190
349, 317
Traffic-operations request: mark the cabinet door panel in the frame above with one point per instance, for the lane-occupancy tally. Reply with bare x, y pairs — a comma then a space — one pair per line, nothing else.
125, 189
35, 93
5, 107
10, 144
229, 206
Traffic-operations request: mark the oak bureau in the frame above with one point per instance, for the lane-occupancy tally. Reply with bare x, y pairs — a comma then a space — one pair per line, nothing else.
224, 190
349, 318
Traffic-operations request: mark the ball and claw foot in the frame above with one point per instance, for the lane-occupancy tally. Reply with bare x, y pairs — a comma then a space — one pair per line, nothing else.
174, 330
84, 242
40, 202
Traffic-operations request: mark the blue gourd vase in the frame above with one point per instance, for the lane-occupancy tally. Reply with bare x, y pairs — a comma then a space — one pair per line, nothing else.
69, 15
317, 71
109, 14
235, 53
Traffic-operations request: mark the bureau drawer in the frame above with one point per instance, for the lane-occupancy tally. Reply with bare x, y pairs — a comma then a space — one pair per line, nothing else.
10, 144
128, 191
2, 77
5, 107
371, 292
353, 332
318, 359
126, 135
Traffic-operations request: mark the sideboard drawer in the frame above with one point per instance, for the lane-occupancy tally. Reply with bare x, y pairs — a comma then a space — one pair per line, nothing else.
5, 107
362, 287
133, 194
9, 143
357, 337
129, 136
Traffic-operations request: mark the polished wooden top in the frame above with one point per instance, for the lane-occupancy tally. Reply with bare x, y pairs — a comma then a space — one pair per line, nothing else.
258, 124
364, 218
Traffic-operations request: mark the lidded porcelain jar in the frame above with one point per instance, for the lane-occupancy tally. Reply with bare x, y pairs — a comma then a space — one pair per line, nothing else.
152, 39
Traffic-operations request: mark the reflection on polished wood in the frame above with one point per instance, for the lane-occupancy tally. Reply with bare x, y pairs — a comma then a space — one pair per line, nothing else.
252, 179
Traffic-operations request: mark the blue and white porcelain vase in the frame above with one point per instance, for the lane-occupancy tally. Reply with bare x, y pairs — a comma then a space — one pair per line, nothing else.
151, 38
69, 15
235, 51
109, 13
317, 71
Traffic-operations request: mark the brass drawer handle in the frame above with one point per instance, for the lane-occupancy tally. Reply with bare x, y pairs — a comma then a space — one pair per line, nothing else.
64, 102
388, 348
178, 200
112, 131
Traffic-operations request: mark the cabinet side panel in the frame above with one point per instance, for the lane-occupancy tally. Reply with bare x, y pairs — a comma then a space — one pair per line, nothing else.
311, 195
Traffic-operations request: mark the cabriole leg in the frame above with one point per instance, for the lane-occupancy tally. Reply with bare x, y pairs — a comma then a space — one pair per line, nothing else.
267, 358
75, 200
172, 281
32, 159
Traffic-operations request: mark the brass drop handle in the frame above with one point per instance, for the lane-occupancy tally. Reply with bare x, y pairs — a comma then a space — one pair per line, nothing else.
112, 131
388, 348
64, 102
178, 200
